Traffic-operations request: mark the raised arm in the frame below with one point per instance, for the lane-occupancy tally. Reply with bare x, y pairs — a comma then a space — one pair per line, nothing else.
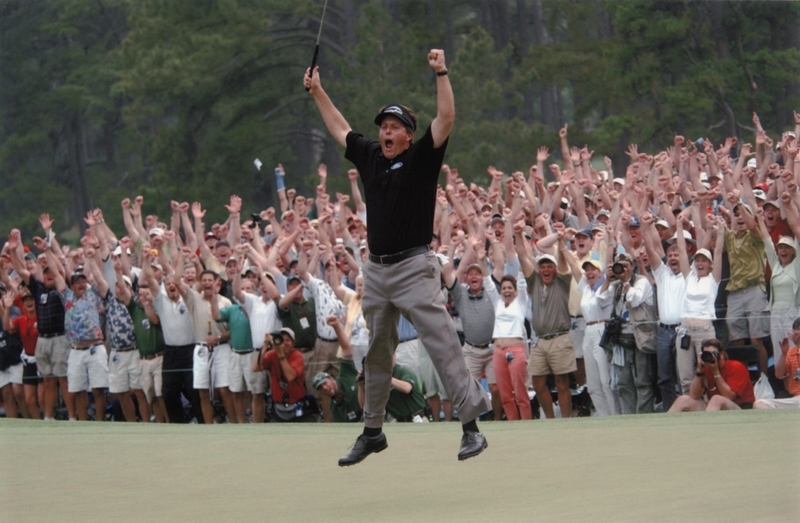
92, 262
445, 101
334, 121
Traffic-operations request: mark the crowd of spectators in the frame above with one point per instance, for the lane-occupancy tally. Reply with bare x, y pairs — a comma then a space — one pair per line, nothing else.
635, 284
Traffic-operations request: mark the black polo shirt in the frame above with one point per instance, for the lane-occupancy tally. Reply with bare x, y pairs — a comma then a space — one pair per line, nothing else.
400, 193
49, 309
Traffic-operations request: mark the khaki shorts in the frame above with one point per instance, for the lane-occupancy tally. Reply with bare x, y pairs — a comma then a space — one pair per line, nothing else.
242, 376
748, 314
124, 371
218, 364
480, 361
52, 355
150, 378
87, 369
552, 356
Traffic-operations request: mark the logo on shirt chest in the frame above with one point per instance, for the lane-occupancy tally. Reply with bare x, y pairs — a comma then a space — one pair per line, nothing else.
396, 166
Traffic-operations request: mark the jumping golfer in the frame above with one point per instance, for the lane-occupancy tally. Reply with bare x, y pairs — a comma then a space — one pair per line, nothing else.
402, 274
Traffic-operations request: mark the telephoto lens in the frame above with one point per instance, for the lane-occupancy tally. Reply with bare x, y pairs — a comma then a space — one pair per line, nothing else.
708, 357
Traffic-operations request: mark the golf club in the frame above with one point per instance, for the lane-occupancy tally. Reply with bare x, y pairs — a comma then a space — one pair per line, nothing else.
316, 48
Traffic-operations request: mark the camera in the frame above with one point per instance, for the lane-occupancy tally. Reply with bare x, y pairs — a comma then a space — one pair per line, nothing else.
256, 218
708, 357
618, 269
277, 338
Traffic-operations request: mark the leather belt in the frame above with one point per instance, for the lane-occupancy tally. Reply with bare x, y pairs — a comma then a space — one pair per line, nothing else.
48, 336
128, 349
87, 347
485, 346
668, 326
409, 339
153, 356
551, 336
329, 341
390, 259
244, 351
595, 322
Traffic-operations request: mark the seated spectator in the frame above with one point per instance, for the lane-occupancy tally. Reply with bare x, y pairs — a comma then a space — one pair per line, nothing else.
787, 368
718, 384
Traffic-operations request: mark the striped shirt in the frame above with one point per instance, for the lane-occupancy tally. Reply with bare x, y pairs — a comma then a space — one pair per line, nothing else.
477, 314
49, 309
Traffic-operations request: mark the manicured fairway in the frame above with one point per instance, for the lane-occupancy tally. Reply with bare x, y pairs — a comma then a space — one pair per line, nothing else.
731, 467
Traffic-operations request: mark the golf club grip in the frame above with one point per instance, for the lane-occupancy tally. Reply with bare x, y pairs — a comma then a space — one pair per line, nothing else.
313, 64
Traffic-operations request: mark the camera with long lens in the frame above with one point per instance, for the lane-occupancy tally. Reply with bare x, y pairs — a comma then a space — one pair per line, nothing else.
277, 338
708, 357
256, 218
618, 269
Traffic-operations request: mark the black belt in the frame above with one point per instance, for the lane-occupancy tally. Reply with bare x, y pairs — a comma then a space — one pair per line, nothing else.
244, 351
87, 347
305, 349
329, 341
124, 350
390, 259
485, 346
153, 356
410, 339
673, 327
551, 336
48, 336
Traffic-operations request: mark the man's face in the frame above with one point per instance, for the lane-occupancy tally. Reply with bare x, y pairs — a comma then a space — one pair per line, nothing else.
190, 275
547, 272
172, 289
49, 280
230, 270
207, 283
79, 287
299, 298
636, 234
674, 258
223, 252
144, 294
474, 281
663, 233
393, 137
771, 216
499, 229
247, 286
211, 243
330, 387
739, 225
583, 244
602, 218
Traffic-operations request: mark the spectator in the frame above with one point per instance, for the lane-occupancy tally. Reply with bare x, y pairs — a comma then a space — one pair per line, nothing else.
342, 390
285, 367
787, 368
25, 326
718, 384
11, 349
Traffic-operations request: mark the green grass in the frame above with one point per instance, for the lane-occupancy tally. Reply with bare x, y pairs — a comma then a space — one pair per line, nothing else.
692, 467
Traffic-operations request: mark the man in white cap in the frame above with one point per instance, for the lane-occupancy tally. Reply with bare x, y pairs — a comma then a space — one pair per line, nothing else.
549, 283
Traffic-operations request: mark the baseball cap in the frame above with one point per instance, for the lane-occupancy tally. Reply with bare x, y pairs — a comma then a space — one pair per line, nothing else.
76, 276
547, 258
289, 332
686, 236
496, 217
745, 206
704, 252
30, 256
127, 280
585, 232
156, 231
759, 194
209, 234
620, 181
320, 378
231, 259
290, 279
474, 266
593, 263
789, 242
223, 242
663, 223
773, 203
634, 222
398, 112
604, 212
752, 162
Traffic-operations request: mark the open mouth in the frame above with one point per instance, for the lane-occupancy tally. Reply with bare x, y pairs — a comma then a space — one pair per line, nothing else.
388, 145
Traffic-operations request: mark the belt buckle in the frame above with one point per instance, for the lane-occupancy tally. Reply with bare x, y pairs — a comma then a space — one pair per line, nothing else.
380, 259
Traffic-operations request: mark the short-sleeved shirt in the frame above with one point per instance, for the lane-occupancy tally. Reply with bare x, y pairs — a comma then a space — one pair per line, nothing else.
400, 193
239, 326
176, 320
295, 389
82, 319
348, 409
746, 258
28, 332
327, 304
49, 309
400, 405
149, 337
477, 313
550, 304
302, 319
200, 308
119, 322
737, 377
263, 318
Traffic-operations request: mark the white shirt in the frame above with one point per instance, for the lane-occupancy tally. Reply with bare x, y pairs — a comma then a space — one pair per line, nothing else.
326, 304
263, 317
509, 320
671, 294
701, 293
176, 321
590, 306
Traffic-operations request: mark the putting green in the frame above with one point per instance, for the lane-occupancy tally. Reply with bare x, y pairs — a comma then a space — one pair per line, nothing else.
732, 467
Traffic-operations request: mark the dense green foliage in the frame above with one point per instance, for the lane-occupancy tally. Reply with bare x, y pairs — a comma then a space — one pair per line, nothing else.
173, 99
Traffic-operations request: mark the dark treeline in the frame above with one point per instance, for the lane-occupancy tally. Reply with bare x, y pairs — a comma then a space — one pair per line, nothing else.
173, 99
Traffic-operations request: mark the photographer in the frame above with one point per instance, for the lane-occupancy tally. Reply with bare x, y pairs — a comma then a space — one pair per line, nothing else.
632, 369
285, 366
725, 383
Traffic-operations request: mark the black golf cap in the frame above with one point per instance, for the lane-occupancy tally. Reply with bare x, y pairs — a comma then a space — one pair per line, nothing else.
399, 113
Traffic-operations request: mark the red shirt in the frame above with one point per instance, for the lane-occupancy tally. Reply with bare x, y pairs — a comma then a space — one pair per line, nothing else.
792, 364
295, 388
26, 327
737, 377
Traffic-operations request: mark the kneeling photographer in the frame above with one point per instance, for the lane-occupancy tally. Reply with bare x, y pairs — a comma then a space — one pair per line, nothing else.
632, 362
718, 384
285, 367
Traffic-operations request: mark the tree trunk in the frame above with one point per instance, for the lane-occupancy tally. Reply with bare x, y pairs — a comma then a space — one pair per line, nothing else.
523, 31
76, 165
548, 97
